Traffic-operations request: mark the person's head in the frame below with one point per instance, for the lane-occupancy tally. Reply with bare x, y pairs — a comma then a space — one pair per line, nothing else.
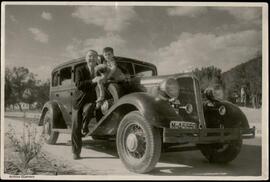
91, 58
108, 53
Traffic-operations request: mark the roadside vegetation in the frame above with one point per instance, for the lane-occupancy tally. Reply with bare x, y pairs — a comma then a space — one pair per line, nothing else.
24, 155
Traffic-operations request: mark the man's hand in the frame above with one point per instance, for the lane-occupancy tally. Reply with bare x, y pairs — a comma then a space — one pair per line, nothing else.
95, 80
98, 79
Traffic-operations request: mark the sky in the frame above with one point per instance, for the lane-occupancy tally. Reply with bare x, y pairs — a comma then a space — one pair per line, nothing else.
174, 38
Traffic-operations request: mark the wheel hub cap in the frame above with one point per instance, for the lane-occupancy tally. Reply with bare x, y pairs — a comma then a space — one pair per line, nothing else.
132, 142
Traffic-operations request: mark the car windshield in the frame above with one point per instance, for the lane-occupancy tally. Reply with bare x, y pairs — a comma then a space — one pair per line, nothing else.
143, 71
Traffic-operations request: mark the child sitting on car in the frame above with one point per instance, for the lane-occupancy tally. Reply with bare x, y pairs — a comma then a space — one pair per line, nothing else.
107, 70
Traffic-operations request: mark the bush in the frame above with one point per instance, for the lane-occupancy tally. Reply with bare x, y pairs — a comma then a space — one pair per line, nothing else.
28, 145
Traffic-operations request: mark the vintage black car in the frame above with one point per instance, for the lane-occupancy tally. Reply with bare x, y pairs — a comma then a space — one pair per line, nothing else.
148, 114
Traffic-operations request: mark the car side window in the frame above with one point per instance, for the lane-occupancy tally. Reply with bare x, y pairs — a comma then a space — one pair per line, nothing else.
65, 76
55, 79
125, 67
143, 71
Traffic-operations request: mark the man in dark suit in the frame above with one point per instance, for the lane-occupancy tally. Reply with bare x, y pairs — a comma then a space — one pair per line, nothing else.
84, 94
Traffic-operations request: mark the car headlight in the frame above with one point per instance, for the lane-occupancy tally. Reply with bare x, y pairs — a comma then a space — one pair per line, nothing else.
170, 88
222, 110
188, 108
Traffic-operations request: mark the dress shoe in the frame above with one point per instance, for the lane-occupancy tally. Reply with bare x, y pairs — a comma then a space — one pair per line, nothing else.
76, 156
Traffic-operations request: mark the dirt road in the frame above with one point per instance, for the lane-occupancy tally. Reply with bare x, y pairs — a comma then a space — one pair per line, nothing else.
100, 158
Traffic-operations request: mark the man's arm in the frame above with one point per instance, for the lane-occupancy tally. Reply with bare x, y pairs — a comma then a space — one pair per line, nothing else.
100, 67
80, 83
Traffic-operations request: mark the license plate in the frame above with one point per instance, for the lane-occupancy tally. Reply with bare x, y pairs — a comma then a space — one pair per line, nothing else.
182, 125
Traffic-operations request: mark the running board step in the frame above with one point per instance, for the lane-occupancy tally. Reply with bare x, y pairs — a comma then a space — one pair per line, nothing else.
67, 131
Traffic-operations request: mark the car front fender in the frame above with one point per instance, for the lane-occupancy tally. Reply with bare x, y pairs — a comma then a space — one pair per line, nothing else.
157, 112
234, 115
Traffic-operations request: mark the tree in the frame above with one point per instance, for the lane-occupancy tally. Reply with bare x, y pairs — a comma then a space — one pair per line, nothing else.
43, 92
9, 93
208, 76
30, 92
248, 75
18, 80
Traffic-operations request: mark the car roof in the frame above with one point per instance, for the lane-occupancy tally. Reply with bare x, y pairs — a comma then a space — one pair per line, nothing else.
118, 58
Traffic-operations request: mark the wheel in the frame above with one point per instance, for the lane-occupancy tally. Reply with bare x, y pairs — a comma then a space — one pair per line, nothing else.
221, 153
138, 143
50, 136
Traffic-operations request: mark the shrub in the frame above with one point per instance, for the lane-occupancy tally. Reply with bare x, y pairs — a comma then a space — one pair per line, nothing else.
28, 145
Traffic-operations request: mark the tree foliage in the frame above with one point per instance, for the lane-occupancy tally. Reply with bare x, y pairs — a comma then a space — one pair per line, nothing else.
43, 92
22, 86
208, 76
9, 94
248, 75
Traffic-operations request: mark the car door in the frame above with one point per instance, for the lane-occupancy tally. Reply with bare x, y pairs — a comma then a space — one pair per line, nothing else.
64, 93
54, 85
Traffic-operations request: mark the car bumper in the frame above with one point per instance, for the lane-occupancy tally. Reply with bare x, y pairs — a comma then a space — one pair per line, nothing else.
207, 135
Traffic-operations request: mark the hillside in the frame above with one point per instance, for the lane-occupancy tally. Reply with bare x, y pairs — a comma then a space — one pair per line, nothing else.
248, 74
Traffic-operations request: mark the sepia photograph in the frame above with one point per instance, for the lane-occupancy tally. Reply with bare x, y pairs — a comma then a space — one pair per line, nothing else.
134, 91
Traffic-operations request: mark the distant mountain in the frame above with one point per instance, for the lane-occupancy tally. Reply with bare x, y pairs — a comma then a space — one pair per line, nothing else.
248, 74
253, 63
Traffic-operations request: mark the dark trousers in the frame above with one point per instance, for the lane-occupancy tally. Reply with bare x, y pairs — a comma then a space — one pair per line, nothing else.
80, 117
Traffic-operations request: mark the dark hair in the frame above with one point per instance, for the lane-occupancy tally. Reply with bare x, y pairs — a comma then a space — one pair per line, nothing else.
108, 49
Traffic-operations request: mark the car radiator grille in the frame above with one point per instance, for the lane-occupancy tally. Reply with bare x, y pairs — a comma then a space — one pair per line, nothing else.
189, 94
